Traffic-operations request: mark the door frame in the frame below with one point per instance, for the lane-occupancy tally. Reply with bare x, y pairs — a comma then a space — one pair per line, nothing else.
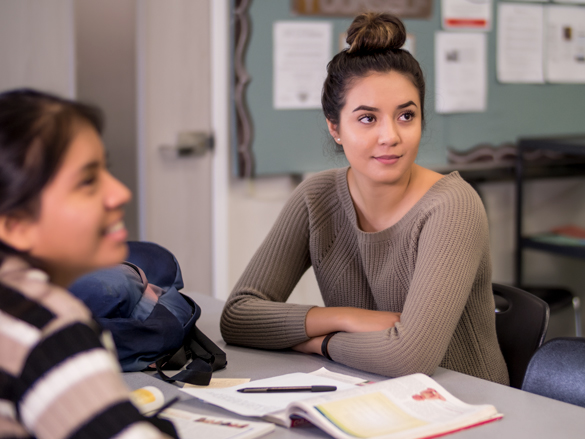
221, 126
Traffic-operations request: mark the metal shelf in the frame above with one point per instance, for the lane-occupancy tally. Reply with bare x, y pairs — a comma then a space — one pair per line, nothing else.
573, 144
573, 251
569, 145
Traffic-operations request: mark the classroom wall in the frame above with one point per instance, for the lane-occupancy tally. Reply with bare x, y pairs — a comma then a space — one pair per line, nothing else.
105, 47
36, 45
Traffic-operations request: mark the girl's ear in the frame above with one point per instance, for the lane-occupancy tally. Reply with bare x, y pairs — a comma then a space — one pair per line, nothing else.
333, 130
18, 231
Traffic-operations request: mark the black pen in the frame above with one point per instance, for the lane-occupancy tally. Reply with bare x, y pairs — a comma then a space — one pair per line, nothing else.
164, 406
287, 389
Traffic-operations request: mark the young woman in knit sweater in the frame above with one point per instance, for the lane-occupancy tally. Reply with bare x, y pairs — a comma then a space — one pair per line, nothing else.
400, 253
61, 216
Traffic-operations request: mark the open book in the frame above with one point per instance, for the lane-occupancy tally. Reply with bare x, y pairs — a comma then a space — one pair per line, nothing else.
410, 407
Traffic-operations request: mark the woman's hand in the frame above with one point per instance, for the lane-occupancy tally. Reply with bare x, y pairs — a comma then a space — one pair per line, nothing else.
311, 346
322, 321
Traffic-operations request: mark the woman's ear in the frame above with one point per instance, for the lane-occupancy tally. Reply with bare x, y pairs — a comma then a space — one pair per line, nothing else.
18, 231
333, 130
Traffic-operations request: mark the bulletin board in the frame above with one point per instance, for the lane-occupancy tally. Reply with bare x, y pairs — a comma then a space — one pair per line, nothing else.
297, 141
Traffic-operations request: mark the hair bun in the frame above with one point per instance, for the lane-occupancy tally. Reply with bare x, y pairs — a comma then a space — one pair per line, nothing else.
375, 32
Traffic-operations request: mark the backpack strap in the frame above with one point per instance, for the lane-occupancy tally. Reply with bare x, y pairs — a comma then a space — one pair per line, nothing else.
206, 357
198, 357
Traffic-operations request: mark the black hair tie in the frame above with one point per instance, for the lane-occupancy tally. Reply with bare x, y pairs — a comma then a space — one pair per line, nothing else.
324, 350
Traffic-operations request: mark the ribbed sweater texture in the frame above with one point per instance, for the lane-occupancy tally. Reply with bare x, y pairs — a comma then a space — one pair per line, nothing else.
433, 266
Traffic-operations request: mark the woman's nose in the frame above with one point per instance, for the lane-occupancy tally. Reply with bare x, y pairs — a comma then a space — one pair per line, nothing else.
388, 134
117, 194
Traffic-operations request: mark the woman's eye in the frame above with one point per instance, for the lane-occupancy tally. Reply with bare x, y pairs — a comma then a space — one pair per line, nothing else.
368, 118
90, 181
408, 116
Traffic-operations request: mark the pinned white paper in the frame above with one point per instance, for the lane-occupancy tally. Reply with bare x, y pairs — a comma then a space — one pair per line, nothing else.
301, 53
520, 47
460, 72
466, 14
565, 36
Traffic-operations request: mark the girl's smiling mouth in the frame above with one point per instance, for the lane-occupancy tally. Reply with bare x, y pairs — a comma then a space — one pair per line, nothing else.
116, 230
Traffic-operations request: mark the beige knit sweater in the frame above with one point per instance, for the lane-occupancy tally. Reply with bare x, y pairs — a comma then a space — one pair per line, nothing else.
433, 266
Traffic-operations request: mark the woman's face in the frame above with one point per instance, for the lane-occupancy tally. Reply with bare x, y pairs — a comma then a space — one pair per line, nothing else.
80, 226
380, 127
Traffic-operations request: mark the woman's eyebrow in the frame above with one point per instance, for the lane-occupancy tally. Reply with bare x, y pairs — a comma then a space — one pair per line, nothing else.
365, 108
90, 167
406, 104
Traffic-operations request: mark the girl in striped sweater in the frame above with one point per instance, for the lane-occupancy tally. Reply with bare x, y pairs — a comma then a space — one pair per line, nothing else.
61, 216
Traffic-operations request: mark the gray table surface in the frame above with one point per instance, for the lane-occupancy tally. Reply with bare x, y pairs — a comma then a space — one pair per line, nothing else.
525, 415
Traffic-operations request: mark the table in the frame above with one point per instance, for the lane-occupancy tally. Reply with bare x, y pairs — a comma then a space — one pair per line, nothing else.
525, 415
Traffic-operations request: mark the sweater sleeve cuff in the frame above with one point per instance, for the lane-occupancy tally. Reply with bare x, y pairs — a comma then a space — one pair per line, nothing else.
295, 323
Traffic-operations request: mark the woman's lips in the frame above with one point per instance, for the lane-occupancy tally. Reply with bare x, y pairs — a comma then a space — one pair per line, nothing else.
116, 231
387, 159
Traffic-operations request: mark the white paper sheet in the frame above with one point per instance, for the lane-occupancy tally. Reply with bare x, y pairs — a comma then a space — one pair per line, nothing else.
460, 72
325, 373
520, 46
260, 404
565, 44
301, 53
466, 14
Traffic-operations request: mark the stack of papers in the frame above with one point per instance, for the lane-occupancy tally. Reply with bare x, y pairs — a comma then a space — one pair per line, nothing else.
410, 407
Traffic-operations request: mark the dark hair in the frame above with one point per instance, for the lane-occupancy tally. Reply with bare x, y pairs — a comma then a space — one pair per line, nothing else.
375, 41
36, 129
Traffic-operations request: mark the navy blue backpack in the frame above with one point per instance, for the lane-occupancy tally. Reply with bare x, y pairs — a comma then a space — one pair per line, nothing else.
149, 335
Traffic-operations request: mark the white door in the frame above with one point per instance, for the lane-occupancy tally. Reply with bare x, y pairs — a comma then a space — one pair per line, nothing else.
174, 96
